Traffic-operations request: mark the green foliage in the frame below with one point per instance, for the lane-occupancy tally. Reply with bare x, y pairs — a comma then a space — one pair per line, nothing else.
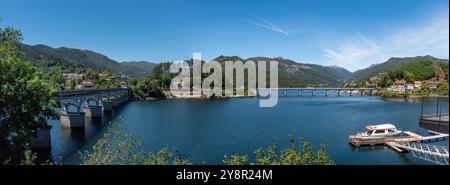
443, 89
148, 87
300, 153
119, 146
165, 80
86, 59
166, 157
409, 77
236, 160
24, 98
419, 69
391, 94
29, 158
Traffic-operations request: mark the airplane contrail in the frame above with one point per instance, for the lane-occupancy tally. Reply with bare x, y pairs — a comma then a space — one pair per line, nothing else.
268, 25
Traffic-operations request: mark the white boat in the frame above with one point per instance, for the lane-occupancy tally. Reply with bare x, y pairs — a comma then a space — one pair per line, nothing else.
378, 131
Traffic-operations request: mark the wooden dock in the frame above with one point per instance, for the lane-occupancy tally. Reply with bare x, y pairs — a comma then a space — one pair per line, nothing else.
408, 137
393, 145
423, 139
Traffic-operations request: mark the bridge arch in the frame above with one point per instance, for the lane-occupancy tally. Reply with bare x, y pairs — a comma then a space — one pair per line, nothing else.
92, 100
69, 107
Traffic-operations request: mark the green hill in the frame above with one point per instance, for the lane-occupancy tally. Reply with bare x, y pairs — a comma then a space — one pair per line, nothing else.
75, 57
293, 74
374, 70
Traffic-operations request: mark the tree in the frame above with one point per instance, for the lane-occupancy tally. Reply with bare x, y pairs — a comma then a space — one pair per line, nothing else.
300, 153
409, 77
24, 99
148, 87
389, 82
443, 88
165, 79
57, 79
158, 70
118, 146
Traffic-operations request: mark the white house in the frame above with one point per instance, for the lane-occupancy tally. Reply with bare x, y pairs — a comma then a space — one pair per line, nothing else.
417, 84
399, 86
409, 87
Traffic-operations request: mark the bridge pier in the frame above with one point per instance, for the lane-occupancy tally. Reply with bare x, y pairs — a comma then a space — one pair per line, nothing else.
43, 137
115, 102
72, 119
93, 111
326, 91
120, 101
107, 106
125, 98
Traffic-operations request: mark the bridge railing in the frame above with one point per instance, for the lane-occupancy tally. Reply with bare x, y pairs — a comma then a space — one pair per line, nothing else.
432, 153
87, 91
318, 88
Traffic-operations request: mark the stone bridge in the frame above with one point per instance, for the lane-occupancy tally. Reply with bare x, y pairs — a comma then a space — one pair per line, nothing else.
78, 104
326, 90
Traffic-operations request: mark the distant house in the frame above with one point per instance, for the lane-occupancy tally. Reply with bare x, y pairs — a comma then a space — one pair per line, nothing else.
103, 75
400, 82
409, 87
73, 76
399, 86
87, 85
433, 85
417, 84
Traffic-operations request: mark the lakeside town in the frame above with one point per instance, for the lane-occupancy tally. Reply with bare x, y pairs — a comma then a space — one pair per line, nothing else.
437, 85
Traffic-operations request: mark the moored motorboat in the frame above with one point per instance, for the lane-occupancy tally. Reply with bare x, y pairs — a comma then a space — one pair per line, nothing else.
375, 132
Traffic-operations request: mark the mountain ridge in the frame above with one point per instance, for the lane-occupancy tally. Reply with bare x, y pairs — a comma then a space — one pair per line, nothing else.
291, 73
85, 58
375, 69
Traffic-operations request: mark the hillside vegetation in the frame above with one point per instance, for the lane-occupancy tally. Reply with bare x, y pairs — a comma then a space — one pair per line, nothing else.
374, 70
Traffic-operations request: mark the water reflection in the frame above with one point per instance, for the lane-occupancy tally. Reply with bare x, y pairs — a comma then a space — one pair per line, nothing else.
68, 141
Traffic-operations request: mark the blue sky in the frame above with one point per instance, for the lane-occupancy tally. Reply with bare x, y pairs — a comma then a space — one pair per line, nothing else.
350, 33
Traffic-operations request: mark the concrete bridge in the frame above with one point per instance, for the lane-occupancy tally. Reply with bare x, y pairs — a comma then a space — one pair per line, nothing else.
78, 104
89, 103
326, 90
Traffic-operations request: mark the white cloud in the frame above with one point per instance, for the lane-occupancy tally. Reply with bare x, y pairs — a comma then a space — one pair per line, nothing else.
431, 38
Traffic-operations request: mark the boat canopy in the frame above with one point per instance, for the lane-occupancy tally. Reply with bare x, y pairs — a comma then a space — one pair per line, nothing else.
380, 127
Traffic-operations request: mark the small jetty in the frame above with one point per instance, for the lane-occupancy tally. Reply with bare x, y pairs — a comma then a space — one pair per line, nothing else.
414, 143
407, 137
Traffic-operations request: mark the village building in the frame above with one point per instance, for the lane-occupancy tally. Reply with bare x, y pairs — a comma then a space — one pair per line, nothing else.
409, 87
417, 85
87, 85
399, 86
433, 84
73, 76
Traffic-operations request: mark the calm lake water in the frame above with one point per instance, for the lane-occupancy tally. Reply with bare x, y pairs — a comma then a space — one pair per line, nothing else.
206, 130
